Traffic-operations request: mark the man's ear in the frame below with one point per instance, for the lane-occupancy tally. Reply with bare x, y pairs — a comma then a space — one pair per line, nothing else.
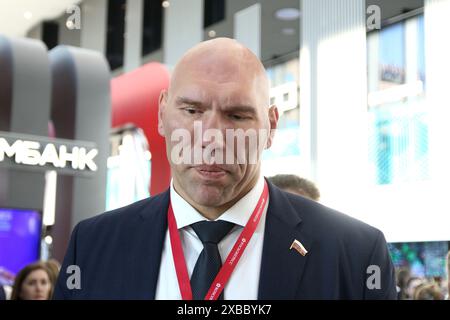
273, 119
162, 102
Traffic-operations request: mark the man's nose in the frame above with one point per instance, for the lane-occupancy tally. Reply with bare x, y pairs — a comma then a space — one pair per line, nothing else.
214, 128
213, 120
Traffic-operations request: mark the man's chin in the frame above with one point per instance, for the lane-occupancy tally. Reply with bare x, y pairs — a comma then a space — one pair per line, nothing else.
209, 196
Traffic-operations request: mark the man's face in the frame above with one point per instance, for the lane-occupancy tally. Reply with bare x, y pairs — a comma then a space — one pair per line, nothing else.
220, 97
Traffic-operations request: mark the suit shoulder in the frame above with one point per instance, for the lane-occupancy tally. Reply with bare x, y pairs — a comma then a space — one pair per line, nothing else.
325, 220
144, 208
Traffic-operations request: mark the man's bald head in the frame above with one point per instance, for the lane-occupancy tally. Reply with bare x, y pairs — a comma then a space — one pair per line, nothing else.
225, 60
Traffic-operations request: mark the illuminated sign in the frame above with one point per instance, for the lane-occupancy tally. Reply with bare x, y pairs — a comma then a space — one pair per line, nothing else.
66, 156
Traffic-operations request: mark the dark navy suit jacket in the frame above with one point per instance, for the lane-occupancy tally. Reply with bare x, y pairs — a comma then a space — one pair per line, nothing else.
119, 253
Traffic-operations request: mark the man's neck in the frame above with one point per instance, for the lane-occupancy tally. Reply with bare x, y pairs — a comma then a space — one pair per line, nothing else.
213, 213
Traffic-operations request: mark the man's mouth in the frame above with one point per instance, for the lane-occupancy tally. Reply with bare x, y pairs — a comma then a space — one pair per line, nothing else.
211, 171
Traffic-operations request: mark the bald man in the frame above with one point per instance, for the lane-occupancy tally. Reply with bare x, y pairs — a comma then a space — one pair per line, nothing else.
221, 231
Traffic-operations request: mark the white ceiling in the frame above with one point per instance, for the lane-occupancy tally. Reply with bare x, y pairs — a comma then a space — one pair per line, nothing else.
12, 14
274, 43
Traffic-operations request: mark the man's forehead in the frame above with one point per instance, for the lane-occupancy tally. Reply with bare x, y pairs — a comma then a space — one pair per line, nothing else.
219, 70
224, 50
197, 94
226, 92
221, 65
222, 58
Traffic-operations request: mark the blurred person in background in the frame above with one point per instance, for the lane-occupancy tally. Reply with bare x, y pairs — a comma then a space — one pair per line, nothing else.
2, 293
5, 292
428, 291
6, 281
54, 266
412, 284
34, 282
403, 275
297, 185
441, 283
447, 297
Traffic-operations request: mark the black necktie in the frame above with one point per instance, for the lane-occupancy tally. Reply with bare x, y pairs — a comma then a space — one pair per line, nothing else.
208, 263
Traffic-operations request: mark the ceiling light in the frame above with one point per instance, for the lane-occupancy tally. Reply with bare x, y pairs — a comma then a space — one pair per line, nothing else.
287, 14
212, 33
48, 240
165, 4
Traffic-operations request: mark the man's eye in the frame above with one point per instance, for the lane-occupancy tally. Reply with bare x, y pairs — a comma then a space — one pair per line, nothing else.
237, 117
191, 110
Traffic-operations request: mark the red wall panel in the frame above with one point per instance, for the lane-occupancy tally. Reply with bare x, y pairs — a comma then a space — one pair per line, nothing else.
135, 100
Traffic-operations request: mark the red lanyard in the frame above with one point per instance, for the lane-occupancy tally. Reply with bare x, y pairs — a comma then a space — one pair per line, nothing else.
232, 259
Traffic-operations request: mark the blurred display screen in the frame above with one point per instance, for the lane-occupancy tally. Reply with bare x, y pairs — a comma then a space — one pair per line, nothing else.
20, 234
424, 259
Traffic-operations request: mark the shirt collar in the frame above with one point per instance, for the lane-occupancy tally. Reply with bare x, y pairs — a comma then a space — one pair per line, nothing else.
238, 214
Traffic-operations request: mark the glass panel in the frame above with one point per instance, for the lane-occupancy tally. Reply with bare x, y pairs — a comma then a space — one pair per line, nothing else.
398, 119
284, 93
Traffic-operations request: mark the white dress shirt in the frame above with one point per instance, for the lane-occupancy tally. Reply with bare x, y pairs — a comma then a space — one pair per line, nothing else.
244, 281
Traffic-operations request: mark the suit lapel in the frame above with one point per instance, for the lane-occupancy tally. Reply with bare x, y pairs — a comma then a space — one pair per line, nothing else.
281, 267
152, 228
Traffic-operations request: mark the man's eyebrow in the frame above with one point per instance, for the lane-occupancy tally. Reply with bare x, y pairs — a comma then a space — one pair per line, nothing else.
244, 109
184, 100
232, 108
